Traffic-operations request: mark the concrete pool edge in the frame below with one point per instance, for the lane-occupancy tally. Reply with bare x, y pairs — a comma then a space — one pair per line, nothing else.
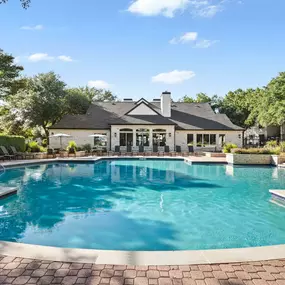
117, 257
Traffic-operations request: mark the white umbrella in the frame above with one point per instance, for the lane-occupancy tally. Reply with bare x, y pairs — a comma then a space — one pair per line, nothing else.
60, 136
97, 136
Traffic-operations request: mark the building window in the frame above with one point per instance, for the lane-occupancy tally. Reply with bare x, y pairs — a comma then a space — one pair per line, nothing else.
159, 137
126, 137
190, 139
213, 140
199, 140
100, 140
142, 137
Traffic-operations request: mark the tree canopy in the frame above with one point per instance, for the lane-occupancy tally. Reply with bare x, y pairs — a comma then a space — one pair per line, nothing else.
9, 74
25, 3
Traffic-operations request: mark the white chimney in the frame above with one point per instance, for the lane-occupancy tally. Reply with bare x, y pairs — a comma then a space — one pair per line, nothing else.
165, 104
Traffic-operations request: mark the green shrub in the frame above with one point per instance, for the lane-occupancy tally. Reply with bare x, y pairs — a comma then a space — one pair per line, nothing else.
256, 151
87, 147
44, 142
33, 146
71, 147
17, 141
271, 144
282, 146
228, 147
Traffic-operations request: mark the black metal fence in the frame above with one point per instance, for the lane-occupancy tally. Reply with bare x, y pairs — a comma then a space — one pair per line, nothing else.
261, 141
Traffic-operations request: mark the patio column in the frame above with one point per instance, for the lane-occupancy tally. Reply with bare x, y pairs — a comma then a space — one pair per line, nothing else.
150, 138
134, 138
217, 141
194, 140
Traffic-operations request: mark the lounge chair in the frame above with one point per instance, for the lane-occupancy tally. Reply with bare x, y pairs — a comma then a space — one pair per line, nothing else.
129, 150
21, 154
6, 153
50, 151
178, 150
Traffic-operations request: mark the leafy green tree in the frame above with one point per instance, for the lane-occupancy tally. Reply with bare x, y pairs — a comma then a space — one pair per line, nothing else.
25, 3
41, 104
96, 95
77, 102
238, 106
9, 74
271, 109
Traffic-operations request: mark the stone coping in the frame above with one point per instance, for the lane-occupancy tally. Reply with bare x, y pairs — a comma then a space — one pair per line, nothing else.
134, 257
142, 257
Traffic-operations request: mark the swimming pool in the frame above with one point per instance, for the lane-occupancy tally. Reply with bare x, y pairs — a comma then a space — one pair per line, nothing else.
143, 205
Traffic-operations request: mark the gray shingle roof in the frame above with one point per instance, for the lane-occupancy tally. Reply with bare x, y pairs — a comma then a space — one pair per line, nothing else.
185, 116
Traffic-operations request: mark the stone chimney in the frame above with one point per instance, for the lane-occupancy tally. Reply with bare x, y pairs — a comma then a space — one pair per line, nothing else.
165, 104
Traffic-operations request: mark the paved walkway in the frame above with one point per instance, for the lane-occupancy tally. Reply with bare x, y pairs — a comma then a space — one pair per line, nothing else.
27, 271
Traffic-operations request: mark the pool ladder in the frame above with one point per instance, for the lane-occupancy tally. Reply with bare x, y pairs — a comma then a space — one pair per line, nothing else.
2, 169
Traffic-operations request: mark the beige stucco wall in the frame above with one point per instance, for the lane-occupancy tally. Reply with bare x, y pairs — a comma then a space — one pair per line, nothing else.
81, 137
115, 137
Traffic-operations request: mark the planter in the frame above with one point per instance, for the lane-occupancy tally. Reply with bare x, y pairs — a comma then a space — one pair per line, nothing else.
40, 155
248, 159
277, 159
214, 154
80, 153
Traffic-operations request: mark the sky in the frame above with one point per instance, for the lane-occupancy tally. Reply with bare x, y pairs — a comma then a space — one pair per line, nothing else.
141, 48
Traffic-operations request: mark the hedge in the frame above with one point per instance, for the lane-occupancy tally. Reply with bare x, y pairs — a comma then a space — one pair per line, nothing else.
17, 141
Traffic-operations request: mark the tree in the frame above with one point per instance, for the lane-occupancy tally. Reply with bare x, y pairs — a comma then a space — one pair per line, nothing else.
215, 101
238, 106
25, 3
41, 104
96, 95
9, 74
77, 102
271, 109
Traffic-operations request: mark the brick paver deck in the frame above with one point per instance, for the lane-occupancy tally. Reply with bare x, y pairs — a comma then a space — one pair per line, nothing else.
14, 270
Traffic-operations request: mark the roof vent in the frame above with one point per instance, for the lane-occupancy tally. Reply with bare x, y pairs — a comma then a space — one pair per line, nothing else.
128, 100
156, 100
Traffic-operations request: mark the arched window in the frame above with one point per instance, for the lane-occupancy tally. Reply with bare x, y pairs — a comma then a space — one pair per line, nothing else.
142, 137
159, 137
126, 137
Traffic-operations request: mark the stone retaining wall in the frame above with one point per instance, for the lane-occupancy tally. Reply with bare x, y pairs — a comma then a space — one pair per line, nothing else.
262, 159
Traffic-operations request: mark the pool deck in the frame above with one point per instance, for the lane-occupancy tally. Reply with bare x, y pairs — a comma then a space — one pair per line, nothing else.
32, 264
15, 270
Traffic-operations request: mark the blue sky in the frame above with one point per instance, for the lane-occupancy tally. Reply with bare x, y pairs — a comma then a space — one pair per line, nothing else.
143, 47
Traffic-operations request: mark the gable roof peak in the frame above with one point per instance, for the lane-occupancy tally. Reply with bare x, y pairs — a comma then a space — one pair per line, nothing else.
142, 100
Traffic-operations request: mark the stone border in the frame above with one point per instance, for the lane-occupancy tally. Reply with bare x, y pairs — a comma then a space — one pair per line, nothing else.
142, 257
135, 257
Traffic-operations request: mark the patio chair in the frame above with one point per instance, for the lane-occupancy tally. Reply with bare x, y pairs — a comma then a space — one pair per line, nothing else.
6, 153
117, 150
141, 150
155, 150
167, 150
50, 151
129, 150
178, 150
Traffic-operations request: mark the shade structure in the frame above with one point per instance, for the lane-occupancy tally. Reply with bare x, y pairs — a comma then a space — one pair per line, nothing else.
60, 136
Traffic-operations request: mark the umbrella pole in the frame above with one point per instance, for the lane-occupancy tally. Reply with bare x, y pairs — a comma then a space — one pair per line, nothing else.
60, 143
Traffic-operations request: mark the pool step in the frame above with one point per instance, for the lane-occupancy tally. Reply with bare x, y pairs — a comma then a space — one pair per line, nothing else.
278, 197
7, 191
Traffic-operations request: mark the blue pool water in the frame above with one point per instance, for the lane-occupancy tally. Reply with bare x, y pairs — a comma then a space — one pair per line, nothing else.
143, 205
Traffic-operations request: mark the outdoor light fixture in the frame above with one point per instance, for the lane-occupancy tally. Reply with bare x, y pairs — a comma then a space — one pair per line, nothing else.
115, 135
169, 135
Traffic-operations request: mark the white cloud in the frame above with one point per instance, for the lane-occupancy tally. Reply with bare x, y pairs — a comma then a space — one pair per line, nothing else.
166, 8
40, 57
205, 43
100, 84
187, 37
33, 28
174, 77
65, 58
208, 11
17, 59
